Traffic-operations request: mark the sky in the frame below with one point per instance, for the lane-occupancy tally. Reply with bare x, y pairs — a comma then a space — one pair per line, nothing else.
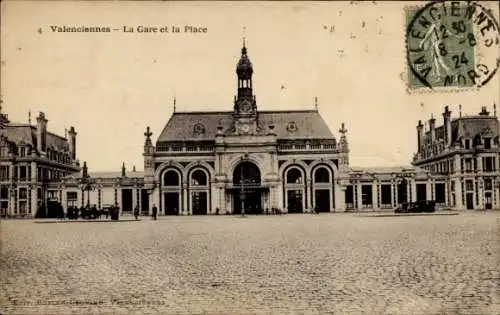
111, 86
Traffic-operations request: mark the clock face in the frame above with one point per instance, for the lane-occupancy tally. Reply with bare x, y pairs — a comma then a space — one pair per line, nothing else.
245, 128
246, 107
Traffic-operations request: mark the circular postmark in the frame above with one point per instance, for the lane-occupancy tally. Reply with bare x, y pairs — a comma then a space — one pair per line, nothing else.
451, 44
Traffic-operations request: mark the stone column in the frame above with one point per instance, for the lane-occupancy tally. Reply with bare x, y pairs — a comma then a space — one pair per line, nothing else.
374, 196
428, 190
185, 207
139, 201
458, 195
480, 192
359, 199
155, 200
340, 205
446, 193
396, 194
64, 199
134, 198
413, 185
309, 193
33, 199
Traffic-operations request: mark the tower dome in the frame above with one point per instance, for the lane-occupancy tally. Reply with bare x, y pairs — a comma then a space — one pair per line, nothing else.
244, 69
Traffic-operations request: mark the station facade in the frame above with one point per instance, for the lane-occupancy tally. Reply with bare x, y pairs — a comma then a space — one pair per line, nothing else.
256, 162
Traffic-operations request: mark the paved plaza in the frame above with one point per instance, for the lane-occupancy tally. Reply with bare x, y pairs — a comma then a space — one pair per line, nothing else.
290, 264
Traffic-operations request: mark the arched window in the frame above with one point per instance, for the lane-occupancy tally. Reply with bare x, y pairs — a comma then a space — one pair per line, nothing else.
294, 176
171, 178
198, 178
321, 175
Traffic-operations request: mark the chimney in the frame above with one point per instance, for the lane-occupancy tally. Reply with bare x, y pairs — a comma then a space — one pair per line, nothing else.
447, 125
85, 173
41, 132
484, 111
432, 128
420, 135
72, 142
123, 169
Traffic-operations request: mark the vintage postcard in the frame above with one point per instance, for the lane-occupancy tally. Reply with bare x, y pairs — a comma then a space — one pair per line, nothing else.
292, 157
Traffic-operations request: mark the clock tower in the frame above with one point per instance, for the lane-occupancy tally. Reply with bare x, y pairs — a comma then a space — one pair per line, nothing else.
245, 106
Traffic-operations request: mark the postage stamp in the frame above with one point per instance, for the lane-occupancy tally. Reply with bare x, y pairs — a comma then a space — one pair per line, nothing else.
451, 44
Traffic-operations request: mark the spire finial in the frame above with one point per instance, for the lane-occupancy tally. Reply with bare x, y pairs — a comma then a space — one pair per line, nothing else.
316, 103
494, 110
123, 169
342, 129
244, 49
29, 117
65, 133
175, 102
460, 110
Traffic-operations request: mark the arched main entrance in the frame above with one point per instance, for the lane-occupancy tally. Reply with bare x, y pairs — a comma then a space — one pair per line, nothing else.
171, 191
247, 189
199, 191
294, 183
323, 197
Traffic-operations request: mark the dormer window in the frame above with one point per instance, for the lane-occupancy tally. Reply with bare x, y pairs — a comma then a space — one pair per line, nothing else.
467, 144
487, 143
22, 151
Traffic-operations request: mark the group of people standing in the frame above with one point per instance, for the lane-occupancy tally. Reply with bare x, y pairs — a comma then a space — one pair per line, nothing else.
154, 212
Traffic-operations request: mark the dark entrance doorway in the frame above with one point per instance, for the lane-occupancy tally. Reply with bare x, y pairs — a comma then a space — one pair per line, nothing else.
402, 191
488, 203
171, 203
252, 202
421, 192
127, 200
322, 199
294, 201
469, 201
248, 192
199, 205
144, 202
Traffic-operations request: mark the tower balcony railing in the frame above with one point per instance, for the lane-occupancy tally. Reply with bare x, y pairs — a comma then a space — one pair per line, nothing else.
305, 147
187, 148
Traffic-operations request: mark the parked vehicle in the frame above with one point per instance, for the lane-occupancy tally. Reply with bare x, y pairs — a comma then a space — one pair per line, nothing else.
417, 207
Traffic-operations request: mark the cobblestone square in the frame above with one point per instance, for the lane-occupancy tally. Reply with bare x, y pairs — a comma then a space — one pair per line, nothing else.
291, 264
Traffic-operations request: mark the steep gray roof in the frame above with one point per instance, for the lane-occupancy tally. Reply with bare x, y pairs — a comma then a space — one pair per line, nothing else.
21, 133
309, 124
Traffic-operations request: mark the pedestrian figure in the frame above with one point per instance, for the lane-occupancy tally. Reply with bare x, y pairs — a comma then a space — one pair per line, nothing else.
155, 212
136, 213
315, 209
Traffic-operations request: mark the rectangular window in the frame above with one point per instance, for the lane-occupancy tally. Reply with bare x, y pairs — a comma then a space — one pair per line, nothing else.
440, 193
4, 192
488, 164
366, 195
22, 152
487, 143
4, 172
467, 144
23, 193
488, 184
349, 196
469, 185
468, 165
23, 207
386, 196
22, 173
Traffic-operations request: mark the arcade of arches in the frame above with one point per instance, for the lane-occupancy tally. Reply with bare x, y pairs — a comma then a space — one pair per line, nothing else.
193, 191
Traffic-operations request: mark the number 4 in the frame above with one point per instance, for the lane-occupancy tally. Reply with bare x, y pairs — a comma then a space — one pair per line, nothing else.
460, 60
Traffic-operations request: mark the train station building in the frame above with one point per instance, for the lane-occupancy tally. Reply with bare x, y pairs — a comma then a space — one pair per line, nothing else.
253, 161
